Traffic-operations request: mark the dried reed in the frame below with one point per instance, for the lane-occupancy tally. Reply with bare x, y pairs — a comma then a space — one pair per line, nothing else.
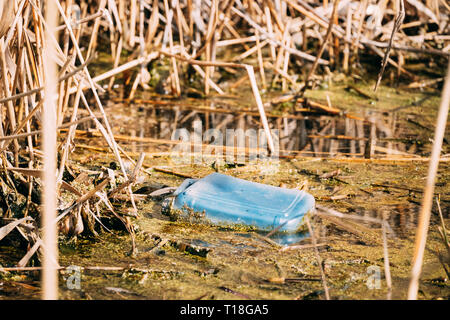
427, 201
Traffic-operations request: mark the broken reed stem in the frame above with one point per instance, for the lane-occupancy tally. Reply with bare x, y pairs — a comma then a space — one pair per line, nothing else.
91, 193
319, 260
50, 238
425, 211
397, 24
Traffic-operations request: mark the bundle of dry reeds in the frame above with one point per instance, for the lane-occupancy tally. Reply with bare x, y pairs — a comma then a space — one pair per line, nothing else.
34, 107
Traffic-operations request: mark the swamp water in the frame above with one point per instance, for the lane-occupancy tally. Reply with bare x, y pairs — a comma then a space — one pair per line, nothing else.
320, 153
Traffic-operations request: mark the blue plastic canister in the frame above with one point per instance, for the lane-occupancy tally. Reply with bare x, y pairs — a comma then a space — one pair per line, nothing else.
226, 200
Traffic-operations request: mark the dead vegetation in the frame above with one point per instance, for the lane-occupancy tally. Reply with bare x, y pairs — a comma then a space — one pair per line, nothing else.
280, 46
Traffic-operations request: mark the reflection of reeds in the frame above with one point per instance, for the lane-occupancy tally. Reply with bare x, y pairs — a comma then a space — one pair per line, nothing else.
319, 259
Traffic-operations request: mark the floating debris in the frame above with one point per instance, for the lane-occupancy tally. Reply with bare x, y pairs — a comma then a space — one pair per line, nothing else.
225, 200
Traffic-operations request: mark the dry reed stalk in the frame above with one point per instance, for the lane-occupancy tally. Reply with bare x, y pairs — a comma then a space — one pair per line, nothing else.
311, 15
199, 70
6, 16
276, 15
133, 15
279, 58
208, 46
336, 49
251, 75
115, 37
41, 88
276, 42
425, 211
32, 133
153, 23
181, 24
235, 34
17, 17
50, 238
443, 230
214, 50
135, 85
92, 192
174, 75
132, 179
141, 39
230, 42
270, 30
7, 94
97, 99
217, 26
69, 138
397, 24
348, 29
387, 267
319, 259
286, 65
251, 51
302, 247
126, 66
81, 21
283, 74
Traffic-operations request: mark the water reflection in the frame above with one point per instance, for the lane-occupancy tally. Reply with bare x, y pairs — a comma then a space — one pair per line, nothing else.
151, 123
149, 126
284, 238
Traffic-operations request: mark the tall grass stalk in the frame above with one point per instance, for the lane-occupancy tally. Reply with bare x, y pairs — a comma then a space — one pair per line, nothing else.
425, 212
50, 237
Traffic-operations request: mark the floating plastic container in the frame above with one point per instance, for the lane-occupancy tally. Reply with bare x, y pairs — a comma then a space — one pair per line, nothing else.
225, 200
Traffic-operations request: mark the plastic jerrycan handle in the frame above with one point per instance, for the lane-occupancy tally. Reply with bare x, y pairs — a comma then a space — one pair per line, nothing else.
186, 184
